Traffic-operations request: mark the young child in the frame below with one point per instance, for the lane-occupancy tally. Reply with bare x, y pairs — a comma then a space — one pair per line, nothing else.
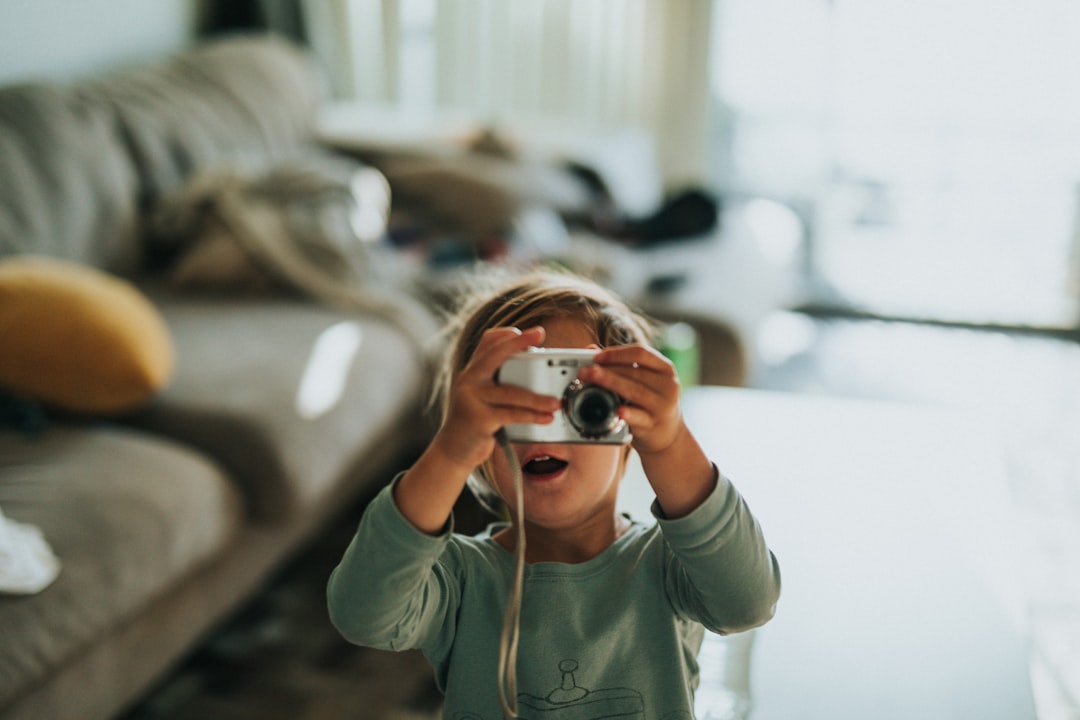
613, 611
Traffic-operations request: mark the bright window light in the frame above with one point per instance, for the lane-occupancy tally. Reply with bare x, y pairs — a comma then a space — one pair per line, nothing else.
932, 145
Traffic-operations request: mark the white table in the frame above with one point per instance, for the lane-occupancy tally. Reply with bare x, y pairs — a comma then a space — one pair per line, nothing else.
892, 527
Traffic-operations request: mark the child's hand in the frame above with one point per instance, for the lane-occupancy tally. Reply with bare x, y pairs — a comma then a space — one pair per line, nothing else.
479, 406
649, 386
678, 470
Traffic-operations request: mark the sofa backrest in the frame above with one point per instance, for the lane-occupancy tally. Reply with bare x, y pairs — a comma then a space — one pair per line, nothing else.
81, 163
241, 103
67, 187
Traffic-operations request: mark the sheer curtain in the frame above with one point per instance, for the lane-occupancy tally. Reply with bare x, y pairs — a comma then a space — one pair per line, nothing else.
595, 66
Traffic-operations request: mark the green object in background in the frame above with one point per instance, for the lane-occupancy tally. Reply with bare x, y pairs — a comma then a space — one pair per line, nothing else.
679, 343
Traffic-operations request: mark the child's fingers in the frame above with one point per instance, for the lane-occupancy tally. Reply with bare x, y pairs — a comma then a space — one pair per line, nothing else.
487, 406
635, 356
523, 416
636, 386
640, 375
497, 346
511, 396
479, 410
639, 419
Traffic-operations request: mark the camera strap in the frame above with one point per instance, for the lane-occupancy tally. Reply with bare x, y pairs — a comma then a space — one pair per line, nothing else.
511, 629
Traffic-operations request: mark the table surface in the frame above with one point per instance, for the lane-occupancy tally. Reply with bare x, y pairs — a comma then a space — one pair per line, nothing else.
893, 529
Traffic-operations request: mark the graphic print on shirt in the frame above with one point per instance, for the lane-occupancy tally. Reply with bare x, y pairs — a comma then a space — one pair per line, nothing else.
570, 701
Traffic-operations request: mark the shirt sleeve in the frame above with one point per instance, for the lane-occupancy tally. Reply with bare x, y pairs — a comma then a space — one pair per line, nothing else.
390, 591
718, 569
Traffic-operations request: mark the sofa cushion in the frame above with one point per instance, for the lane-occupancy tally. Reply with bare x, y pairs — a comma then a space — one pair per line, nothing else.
77, 338
127, 515
287, 394
67, 187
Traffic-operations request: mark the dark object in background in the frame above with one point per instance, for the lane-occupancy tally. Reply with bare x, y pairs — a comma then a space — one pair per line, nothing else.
666, 283
215, 18
687, 214
690, 213
225, 17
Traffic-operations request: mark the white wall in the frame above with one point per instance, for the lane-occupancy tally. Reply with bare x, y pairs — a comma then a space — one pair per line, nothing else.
74, 38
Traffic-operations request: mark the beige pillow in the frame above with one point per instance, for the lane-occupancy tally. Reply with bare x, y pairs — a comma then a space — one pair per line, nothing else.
79, 339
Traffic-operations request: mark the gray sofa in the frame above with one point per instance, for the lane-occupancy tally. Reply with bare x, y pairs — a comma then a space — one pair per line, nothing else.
168, 518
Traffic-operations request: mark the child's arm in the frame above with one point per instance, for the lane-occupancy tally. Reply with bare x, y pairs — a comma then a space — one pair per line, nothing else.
719, 569
425, 495
680, 473
389, 591
722, 571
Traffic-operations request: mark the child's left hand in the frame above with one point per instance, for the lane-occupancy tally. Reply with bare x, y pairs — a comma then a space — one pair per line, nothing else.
673, 461
649, 386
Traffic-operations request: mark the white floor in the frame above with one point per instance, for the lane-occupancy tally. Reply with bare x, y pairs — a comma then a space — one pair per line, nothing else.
897, 541
1030, 388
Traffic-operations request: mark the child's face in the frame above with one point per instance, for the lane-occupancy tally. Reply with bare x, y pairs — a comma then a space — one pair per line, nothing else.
565, 485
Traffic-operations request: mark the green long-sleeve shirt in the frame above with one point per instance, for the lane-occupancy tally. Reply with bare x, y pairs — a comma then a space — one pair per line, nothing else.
615, 636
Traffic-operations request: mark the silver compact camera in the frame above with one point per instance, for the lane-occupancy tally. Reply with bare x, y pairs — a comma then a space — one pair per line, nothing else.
589, 413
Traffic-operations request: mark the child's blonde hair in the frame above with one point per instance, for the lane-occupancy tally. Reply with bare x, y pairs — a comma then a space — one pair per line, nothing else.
524, 301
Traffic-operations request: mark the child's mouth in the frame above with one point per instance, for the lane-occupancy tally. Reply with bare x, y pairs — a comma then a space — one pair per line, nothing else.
543, 466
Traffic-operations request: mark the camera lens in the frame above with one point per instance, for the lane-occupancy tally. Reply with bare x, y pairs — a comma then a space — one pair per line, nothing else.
591, 409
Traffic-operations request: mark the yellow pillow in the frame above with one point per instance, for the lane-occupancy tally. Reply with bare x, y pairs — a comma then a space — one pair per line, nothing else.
79, 339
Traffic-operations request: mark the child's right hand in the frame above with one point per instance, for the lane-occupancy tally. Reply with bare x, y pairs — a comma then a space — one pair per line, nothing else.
479, 406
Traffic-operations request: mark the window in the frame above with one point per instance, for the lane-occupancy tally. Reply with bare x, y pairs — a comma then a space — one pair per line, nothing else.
564, 69
933, 145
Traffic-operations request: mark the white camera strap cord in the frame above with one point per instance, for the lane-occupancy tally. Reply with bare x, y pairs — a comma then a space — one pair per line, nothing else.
511, 629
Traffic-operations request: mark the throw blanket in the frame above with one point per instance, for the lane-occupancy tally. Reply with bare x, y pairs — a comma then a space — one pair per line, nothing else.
295, 228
